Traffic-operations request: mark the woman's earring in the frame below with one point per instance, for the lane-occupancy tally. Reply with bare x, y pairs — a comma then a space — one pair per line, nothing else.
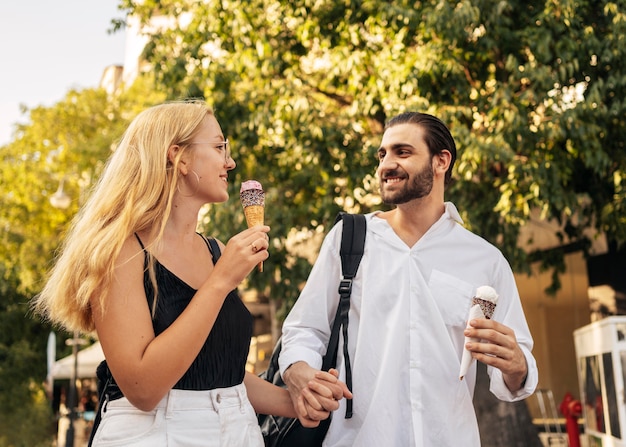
197, 186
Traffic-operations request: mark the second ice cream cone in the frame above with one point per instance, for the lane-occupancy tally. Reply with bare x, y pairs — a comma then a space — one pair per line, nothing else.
475, 313
483, 306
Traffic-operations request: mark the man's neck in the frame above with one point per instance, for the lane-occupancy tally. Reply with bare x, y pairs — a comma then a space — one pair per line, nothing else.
410, 221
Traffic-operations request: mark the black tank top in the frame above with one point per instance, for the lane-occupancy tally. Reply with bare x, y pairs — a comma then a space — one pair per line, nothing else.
221, 362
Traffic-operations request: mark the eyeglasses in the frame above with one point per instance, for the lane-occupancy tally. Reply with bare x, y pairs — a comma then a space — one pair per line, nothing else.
221, 146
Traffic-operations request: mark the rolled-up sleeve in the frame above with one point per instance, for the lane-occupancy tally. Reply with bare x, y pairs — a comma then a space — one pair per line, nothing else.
512, 315
502, 392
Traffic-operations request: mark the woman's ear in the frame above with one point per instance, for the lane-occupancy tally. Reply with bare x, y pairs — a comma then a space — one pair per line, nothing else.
174, 152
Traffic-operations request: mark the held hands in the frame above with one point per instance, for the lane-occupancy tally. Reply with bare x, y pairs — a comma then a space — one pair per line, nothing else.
314, 393
242, 253
498, 348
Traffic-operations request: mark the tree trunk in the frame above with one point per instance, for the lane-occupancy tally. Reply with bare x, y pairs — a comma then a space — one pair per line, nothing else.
502, 423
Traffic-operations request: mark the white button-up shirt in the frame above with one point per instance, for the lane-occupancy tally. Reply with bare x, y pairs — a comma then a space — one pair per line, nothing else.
408, 311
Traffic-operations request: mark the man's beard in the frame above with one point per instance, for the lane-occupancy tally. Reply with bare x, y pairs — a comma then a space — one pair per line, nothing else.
419, 187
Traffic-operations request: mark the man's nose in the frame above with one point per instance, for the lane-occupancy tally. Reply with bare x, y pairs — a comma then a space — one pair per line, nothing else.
387, 160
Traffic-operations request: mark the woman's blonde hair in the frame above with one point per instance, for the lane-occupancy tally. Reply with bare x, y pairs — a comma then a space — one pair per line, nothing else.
133, 194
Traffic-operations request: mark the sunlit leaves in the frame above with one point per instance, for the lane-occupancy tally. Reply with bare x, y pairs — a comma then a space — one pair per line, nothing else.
64, 146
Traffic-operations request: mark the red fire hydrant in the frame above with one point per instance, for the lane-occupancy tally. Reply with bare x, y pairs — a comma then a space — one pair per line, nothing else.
571, 409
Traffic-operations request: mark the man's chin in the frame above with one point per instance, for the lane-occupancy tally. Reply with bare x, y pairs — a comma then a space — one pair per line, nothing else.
392, 199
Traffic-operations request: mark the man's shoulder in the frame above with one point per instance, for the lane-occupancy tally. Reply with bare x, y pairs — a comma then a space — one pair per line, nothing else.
476, 240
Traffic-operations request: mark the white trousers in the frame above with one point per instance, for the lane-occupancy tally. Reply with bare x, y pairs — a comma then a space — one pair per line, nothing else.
222, 417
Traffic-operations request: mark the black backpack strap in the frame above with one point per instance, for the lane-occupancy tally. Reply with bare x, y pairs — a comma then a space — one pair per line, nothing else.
351, 252
352, 244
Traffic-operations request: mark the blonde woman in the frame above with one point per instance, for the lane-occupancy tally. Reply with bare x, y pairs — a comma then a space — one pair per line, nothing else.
173, 329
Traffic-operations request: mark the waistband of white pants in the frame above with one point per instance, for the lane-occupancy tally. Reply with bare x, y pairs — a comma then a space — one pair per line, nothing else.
189, 400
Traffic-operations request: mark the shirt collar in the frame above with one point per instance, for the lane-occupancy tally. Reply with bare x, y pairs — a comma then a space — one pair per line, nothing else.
450, 215
451, 212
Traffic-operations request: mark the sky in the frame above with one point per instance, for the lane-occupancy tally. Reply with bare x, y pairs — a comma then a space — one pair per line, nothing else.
50, 47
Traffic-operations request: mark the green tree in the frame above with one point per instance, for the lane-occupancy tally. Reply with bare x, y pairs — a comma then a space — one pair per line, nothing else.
532, 92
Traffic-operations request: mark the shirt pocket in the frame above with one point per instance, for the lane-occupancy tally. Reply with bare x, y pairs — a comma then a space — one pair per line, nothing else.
453, 297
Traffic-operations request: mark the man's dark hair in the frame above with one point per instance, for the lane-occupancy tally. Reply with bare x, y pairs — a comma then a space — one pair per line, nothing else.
436, 134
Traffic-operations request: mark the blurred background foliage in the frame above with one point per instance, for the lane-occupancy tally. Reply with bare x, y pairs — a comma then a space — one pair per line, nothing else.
532, 91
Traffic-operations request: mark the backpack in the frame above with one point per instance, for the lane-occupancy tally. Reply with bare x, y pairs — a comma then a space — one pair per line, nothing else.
279, 431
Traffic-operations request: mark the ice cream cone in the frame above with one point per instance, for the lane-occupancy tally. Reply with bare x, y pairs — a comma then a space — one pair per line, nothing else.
483, 306
253, 202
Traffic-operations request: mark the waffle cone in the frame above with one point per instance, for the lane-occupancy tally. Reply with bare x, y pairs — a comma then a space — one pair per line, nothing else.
487, 306
255, 215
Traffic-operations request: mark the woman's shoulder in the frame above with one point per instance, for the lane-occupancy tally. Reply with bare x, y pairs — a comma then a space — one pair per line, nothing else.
132, 250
